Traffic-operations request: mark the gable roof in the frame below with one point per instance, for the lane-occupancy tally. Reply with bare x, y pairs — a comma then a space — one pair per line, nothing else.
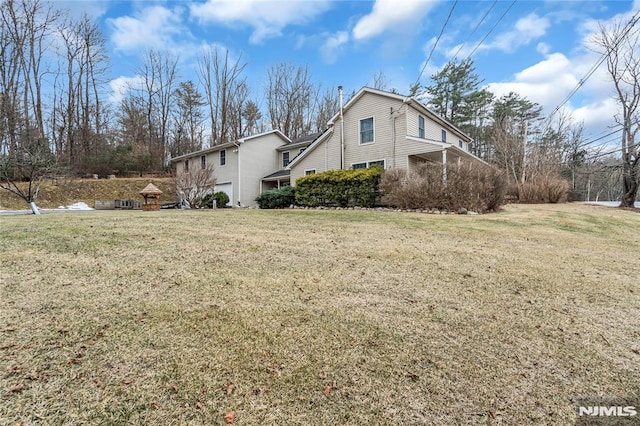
415, 103
230, 144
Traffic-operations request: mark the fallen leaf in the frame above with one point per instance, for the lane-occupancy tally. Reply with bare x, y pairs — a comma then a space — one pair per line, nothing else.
230, 389
155, 405
18, 388
199, 405
230, 417
327, 389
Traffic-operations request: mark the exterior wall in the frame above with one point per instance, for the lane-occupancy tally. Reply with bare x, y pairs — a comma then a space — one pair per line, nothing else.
433, 130
384, 111
325, 156
392, 147
258, 158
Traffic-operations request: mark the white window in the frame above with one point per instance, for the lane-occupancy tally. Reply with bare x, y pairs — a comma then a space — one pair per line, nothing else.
203, 161
223, 157
366, 131
421, 126
285, 159
444, 136
310, 172
366, 164
460, 144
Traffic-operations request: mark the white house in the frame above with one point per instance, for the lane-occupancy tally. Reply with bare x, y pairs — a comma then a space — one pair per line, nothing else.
386, 129
373, 128
248, 166
239, 165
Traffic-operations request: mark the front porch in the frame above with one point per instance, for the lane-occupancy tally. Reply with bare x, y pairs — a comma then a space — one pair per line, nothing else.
275, 180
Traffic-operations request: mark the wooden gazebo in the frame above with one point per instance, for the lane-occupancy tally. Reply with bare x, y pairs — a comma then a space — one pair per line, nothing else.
151, 195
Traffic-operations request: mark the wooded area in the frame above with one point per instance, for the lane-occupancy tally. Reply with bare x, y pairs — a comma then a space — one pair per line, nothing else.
54, 91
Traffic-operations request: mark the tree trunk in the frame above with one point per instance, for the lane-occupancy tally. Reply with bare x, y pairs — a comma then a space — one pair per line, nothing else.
629, 184
34, 207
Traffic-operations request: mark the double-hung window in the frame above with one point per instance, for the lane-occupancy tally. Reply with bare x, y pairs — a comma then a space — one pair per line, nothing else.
186, 166
223, 157
203, 161
421, 127
285, 159
366, 130
444, 136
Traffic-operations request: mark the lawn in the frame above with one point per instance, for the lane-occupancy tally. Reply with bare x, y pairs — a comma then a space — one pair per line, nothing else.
317, 317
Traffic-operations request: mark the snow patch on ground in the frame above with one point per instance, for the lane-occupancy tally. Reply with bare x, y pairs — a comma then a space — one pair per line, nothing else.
76, 206
609, 203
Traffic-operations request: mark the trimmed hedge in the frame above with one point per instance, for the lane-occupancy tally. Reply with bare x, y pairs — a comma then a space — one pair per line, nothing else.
343, 188
277, 198
221, 200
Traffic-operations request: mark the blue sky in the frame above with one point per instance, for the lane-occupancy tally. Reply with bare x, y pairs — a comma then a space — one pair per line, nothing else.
539, 49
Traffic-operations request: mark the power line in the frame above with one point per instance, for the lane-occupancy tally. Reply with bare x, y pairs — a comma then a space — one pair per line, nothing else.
632, 22
475, 29
491, 30
436, 43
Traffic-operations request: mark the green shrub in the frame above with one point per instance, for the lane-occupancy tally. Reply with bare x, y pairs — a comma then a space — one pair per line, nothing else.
341, 188
220, 197
471, 186
277, 198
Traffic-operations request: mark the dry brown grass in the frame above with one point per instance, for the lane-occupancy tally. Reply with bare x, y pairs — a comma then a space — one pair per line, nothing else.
178, 317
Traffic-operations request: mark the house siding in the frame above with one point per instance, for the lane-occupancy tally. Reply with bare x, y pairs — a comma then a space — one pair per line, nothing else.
258, 158
395, 148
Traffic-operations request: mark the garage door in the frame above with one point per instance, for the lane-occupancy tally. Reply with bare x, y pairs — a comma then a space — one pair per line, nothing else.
227, 188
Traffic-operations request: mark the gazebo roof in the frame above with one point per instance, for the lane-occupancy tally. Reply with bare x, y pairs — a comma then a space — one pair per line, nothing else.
150, 189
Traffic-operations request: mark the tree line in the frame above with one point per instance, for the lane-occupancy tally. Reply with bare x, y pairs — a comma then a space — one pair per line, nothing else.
54, 89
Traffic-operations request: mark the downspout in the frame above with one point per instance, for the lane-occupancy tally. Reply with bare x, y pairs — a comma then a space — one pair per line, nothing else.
393, 119
341, 128
237, 144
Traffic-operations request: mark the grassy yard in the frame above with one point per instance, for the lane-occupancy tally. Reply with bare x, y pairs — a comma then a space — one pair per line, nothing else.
317, 317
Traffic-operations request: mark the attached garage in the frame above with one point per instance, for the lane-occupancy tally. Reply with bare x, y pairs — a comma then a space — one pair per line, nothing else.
227, 188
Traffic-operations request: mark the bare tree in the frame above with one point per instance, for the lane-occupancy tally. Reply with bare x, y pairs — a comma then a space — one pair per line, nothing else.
289, 94
25, 33
22, 171
225, 90
78, 116
193, 184
188, 119
621, 47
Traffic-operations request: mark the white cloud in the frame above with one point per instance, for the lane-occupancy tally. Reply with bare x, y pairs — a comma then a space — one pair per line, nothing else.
121, 85
546, 82
267, 18
526, 30
332, 46
152, 28
391, 15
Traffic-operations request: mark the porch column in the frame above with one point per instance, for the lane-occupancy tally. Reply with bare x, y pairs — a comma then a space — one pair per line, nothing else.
444, 166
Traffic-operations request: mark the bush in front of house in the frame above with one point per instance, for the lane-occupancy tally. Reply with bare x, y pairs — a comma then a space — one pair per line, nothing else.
277, 198
220, 197
343, 188
543, 189
470, 186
